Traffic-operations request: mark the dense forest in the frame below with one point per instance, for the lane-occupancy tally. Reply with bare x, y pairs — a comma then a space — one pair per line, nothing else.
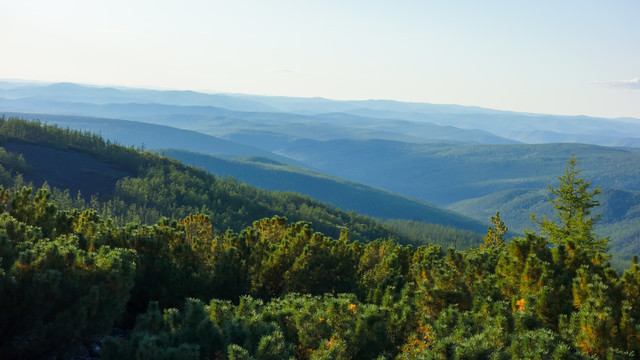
158, 269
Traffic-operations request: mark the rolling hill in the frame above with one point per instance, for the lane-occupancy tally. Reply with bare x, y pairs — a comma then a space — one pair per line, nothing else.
447, 173
347, 195
128, 184
152, 136
263, 169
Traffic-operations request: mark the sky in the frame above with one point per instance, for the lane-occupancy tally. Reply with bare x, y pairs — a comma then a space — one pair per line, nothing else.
555, 57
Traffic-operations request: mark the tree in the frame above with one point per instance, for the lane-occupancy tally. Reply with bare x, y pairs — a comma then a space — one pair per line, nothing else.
573, 201
496, 232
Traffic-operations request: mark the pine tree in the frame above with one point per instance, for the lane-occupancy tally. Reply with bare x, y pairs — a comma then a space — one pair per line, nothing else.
573, 201
496, 232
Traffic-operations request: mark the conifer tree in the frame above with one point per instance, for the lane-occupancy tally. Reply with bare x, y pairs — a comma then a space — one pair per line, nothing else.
573, 201
495, 233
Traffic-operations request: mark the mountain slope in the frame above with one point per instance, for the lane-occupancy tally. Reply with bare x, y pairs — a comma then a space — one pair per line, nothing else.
263, 169
347, 195
446, 173
145, 187
72, 170
152, 136
148, 186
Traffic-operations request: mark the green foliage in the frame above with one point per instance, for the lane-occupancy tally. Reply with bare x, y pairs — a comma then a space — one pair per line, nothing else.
420, 233
496, 232
573, 201
521, 299
541, 344
278, 289
269, 174
57, 288
151, 187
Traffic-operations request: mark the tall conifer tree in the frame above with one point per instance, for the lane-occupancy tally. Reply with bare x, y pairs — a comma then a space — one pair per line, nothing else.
573, 201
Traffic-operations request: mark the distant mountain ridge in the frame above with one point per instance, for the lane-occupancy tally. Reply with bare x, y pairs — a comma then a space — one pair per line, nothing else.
530, 128
220, 122
73, 99
75, 93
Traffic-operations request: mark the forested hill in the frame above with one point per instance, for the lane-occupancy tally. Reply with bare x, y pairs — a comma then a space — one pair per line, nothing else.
158, 186
131, 185
264, 170
274, 175
77, 283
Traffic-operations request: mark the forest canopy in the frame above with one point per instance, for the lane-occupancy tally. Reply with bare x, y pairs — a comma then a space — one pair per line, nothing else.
279, 288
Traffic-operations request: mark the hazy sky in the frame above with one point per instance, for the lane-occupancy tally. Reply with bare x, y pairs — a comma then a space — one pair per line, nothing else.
560, 57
